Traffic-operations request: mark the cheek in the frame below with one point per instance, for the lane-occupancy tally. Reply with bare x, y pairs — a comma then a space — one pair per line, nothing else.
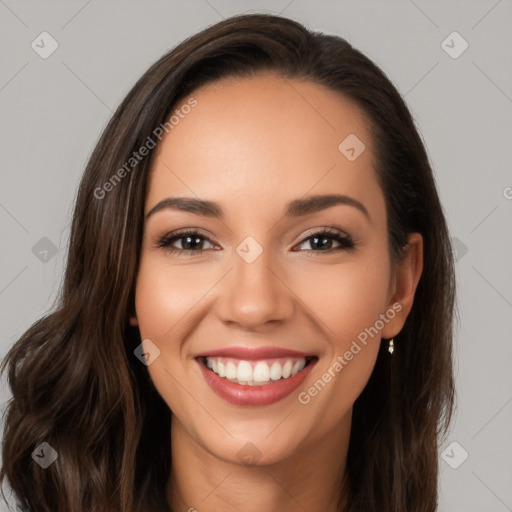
346, 299
348, 302
165, 295
337, 303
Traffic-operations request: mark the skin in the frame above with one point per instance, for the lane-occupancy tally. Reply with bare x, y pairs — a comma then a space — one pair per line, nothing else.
253, 145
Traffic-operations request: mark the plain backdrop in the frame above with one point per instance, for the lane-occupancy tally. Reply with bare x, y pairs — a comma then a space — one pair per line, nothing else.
53, 109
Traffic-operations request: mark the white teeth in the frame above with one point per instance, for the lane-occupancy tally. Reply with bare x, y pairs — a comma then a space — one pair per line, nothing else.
275, 371
254, 373
297, 367
221, 369
244, 371
230, 370
287, 369
262, 372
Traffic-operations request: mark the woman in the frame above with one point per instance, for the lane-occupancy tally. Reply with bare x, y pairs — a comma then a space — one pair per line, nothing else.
258, 300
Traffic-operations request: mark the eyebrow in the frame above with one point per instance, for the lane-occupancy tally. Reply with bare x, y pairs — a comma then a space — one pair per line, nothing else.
295, 208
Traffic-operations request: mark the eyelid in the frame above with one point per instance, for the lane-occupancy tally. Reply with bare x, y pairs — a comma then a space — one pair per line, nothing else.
339, 235
182, 233
199, 231
345, 240
324, 229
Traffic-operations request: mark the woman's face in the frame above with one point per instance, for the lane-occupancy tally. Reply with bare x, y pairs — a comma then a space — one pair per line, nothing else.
270, 291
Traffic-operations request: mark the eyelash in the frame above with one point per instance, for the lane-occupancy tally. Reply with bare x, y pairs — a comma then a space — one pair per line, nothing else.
346, 242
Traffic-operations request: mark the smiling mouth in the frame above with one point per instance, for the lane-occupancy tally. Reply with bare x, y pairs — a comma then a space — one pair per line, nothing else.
256, 372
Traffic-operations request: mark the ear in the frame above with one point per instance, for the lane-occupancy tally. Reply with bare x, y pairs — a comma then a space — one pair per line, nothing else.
406, 275
133, 316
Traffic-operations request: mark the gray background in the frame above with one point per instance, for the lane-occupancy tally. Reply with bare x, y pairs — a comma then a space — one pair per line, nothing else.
53, 110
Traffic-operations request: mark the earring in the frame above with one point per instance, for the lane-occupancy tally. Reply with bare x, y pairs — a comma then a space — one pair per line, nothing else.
391, 347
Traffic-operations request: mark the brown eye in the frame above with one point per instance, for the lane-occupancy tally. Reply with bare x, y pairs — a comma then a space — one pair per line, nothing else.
323, 241
191, 242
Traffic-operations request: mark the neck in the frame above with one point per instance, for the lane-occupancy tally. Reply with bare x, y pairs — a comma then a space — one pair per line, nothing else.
309, 480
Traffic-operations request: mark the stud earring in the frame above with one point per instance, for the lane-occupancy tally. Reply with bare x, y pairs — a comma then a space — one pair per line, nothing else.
391, 347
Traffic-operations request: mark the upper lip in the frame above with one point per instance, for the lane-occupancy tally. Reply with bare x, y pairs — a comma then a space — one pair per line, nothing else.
251, 354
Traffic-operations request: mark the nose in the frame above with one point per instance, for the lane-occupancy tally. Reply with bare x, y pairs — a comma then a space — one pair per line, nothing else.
255, 294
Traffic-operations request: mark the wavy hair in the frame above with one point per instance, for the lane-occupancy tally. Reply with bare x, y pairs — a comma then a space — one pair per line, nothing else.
75, 381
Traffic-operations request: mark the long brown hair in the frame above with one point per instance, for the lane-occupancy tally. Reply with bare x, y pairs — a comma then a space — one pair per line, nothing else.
75, 381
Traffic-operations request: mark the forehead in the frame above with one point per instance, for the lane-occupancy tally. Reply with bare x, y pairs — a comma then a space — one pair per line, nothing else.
264, 138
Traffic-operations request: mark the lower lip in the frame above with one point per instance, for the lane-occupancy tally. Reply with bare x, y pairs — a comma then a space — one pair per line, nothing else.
267, 394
